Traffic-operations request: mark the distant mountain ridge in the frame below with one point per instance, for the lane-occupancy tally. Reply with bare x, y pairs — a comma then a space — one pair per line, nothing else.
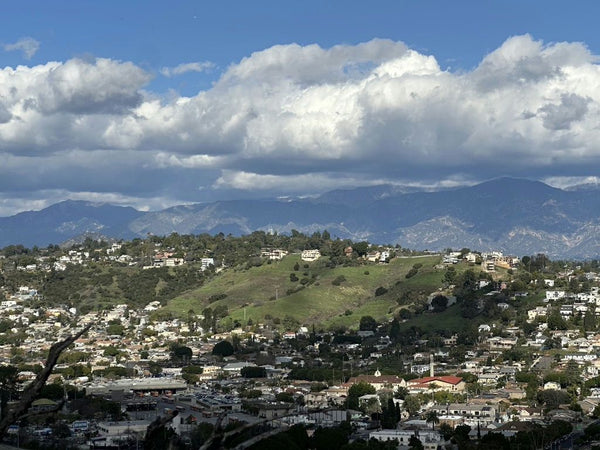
516, 216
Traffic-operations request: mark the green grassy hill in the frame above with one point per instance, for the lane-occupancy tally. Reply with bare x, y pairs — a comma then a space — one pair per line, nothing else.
267, 291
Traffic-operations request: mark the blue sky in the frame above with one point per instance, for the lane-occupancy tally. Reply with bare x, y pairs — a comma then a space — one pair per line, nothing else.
157, 103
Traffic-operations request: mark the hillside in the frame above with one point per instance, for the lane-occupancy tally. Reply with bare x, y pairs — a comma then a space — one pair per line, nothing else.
267, 291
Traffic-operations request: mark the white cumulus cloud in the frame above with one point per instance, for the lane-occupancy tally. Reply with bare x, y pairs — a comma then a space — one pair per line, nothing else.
294, 118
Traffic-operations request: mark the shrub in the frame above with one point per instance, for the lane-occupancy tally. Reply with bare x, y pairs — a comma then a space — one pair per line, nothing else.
411, 273
216, 297
380, 291
338, 280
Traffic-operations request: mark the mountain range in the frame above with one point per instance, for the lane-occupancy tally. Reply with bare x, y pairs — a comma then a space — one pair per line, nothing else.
517, 216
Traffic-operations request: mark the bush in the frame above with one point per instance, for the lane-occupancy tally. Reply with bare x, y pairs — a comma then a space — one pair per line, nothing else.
291, 291
293, 277
411, 273
216, 297
380, 291
338, 280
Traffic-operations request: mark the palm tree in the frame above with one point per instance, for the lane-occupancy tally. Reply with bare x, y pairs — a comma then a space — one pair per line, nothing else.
432, 418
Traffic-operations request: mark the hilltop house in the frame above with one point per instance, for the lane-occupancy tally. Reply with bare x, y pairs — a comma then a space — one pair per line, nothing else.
310, 255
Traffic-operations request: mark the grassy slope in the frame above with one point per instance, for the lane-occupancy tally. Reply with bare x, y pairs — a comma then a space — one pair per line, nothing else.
253, 290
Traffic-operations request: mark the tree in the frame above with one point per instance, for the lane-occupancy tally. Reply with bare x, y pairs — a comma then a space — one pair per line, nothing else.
461, 434
358, 390
8, 384
394, 331
52, 391
556, 321
412, 405
449, 275
367, 323
158, 436
154, 368
439, 303
285, 397
414, 443
201, 434
446, 431
553, 398
432, 418
589, 320
331, 438
181, 353
495, 441
33, 389
115, 329
223, 348
253, 372
390, 415
361, 248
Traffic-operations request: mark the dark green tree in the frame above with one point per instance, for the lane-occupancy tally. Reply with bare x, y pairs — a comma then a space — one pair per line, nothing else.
414, 443
439, 303
367, 323
223, 348
181, 353
253, 372
358, 390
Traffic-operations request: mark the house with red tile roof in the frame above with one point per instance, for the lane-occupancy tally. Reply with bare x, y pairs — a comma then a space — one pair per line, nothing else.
436, 383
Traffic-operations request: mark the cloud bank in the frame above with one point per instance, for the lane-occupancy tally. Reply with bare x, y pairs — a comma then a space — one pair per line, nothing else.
299, 119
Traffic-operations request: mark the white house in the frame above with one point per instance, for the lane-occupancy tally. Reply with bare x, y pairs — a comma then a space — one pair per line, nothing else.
554, 295
310, 255
206, 262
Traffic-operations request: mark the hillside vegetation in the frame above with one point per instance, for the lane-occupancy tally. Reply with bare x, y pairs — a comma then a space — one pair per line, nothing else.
241, 286
322, 294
